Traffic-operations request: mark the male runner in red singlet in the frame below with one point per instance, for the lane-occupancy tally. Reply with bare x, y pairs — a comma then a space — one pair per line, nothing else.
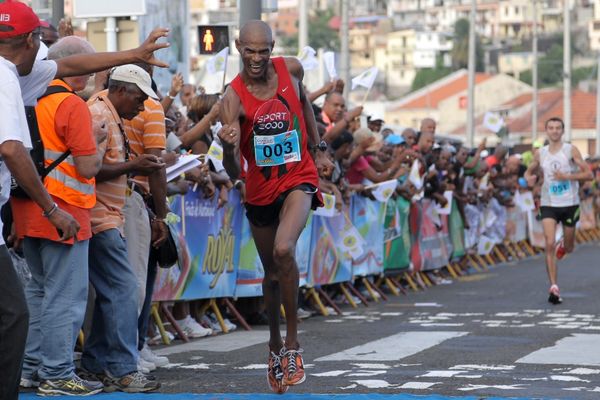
267, 116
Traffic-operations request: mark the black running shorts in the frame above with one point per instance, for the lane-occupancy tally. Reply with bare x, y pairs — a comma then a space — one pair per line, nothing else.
568, 216
262, 216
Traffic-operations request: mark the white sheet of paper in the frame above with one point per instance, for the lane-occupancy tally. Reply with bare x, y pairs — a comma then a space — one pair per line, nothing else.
184, 164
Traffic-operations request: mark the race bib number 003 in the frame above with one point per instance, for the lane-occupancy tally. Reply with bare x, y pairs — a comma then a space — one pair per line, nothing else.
560, 188
275, 150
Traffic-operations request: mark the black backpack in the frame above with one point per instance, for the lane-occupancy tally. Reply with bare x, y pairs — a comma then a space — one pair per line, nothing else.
37, 146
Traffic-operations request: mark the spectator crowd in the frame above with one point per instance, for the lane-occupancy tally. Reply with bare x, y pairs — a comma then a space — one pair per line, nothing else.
106, 146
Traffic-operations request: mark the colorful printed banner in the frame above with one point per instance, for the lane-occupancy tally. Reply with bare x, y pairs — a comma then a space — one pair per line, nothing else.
212, 245
250, 272
328, 262
368, 217
456, 228
431, 246
396, 245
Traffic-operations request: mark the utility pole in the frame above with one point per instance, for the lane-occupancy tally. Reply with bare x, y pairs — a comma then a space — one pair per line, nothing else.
345, 50
597, 154
111, 33
534, 75
471, 78
249, 10
567, 70
303, 25
58, 11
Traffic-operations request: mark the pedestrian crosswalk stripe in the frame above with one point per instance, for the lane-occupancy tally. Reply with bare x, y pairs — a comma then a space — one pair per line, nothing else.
577, 349
394, 347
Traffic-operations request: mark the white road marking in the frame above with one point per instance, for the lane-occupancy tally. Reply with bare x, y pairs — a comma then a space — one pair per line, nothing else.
428, 305
371, 366
484, 367
393, 348
567, 378
502, 387
584, 371
418, 385
330, 373
577, 349
374, 383
221, 343
441, 374
367, 373
254, 366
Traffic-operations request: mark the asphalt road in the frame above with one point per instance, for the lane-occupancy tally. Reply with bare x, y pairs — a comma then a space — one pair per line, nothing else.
486, 335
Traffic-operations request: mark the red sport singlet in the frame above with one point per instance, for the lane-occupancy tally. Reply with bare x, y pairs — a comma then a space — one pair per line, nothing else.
277, 115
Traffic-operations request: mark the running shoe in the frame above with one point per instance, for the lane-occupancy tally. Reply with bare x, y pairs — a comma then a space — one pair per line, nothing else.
74, 386
554, 296
135, 382
275, 374
560, 249
293, 367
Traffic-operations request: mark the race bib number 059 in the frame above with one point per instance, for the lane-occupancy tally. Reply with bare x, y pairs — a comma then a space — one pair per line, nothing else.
560, 188
275, 150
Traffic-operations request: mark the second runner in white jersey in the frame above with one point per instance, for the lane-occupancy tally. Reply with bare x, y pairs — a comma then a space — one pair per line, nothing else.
558, 193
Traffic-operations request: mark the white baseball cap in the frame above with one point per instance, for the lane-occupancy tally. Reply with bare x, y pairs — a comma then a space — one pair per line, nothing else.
133, 74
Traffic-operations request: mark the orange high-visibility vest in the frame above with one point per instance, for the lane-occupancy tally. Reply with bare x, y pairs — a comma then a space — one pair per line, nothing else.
63, 181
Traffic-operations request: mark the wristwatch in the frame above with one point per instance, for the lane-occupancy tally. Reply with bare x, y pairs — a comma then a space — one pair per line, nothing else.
321, 146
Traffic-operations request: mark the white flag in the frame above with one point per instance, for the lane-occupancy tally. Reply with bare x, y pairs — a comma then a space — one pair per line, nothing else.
328, 209
485, 245
218, 62
352, 241
483, 184
215, 154
366, 79
384, 190
524, 201
493, 121
447, 209
329, 60
308, 59
415, 177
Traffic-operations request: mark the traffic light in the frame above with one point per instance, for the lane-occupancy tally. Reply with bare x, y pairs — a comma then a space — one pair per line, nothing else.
213, 38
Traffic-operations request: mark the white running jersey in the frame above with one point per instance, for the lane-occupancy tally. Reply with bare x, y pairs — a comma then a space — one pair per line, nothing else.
558, 193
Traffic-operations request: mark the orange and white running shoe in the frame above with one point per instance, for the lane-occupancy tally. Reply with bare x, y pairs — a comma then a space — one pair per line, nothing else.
275, 374
293, 367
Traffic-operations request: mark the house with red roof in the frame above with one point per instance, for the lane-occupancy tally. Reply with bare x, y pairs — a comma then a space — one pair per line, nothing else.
446, 100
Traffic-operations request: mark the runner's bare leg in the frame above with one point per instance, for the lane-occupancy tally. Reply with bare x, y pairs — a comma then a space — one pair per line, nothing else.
292, 220
549, 226
569, 238
264, 239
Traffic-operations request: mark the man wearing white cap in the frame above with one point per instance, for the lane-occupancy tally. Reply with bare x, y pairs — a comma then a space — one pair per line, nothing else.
110, 353
375, 122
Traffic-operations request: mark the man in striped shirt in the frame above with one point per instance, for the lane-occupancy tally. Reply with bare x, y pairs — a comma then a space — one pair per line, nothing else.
110, 351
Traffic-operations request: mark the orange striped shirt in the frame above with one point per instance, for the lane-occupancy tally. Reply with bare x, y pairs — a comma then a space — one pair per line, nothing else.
146, 131
110, 195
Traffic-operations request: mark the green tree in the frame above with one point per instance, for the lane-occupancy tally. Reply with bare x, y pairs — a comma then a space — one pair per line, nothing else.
320, 35
460, 47
425, 76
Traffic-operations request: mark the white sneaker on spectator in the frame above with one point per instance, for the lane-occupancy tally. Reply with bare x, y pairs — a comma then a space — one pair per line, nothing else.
230, 325
148, 355
303, 314
208, 321
193, 329
29, 383
145, 365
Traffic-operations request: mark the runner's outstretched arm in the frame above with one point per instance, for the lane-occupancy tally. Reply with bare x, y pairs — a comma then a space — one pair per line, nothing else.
230, 133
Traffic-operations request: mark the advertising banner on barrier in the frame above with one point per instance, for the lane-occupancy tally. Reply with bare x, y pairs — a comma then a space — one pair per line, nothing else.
250, 271
516, 224
431, 246
457, 231
535, 230
212, 243
367, 215
587, 219
328, 261
396, 245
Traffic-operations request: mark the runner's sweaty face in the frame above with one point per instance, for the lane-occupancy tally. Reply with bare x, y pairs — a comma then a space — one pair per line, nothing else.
255, 46
554, 130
